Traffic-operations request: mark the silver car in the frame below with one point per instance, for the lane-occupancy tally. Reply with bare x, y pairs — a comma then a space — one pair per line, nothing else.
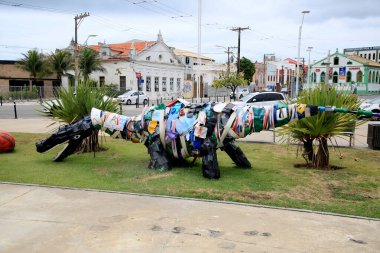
262, 98
130, 97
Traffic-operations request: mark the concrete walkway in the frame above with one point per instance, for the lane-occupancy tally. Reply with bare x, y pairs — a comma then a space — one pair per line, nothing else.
45, 219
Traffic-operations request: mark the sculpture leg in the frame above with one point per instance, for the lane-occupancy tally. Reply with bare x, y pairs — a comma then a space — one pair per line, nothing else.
237, 155
73, 133
210, 167
158, 158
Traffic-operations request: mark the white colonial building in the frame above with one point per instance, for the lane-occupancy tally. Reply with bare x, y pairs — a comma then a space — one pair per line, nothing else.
347, 72
165, 71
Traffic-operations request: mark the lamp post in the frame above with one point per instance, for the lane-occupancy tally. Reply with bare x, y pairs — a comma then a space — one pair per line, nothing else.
298, 55
89, 36
308, 68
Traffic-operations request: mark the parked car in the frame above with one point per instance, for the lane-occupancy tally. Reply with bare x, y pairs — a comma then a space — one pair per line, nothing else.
284, 90
239, 93
130, 97
372, 105
262, 98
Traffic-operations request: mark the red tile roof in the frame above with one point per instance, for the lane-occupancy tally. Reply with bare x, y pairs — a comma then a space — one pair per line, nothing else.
125, 48
363, 60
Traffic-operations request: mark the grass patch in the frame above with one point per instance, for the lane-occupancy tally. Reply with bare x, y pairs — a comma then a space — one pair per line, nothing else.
273, 180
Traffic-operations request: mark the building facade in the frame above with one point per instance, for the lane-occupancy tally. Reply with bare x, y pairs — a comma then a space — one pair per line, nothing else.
16, 80
369, 53
348, 73
165, 72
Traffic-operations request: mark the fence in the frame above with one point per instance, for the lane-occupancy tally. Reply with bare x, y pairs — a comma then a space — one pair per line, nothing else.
28, 93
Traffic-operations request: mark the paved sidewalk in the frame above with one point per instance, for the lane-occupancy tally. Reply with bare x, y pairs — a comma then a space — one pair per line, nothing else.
43, 219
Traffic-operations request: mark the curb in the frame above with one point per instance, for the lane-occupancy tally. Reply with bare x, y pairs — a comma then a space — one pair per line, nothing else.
199, 200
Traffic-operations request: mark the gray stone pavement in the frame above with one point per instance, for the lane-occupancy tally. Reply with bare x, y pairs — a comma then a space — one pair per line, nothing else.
45, 219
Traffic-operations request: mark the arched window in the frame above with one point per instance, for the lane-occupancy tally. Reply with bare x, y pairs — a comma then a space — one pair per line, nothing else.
323, 77
336, 60
370, 77
335, 77
314, 77
349, 77
373, 77
377, 77
359, 77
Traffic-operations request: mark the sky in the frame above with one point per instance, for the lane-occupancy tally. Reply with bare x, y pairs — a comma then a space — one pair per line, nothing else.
274, 25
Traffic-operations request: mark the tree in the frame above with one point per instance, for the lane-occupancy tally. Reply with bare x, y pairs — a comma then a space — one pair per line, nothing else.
248, 68
35, 63
324, 126
60, 62
72, 106
89, 62
230, 81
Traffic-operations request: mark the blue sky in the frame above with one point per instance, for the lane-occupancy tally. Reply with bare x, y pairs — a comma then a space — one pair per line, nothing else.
274, 24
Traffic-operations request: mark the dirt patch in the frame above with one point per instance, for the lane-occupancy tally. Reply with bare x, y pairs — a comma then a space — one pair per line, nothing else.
309, 166
103, 171
152, 177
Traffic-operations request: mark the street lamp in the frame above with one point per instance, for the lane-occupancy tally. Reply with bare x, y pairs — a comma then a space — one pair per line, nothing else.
299, 49
89, 36
308, 68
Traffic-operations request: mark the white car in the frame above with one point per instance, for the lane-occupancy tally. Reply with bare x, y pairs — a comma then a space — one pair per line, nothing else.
372, 105
130, 97
262, 98
239, 93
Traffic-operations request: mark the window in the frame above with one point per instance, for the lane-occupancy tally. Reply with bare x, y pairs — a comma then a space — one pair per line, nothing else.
160, 57
156, 83
171, 61
361, 55
188, 77
187, 60
314, 77
123, 83
102, 81
171, 83
370, 77
377, 77
323, 77
369, 56
335, 77
148, 83
164, 84
258, 98
359, 77
336, 60
178, 84
374, 56
365, 55
349, 77
349, 63
147, 58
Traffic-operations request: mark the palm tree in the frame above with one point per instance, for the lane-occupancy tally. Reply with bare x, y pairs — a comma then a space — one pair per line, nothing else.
324, 126
60, 62
35, 63
89, 62
72, 106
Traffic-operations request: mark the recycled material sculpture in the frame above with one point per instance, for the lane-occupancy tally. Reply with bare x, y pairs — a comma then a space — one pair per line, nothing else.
179, 130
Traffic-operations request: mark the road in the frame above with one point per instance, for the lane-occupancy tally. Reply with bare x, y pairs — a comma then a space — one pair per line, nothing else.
30, 109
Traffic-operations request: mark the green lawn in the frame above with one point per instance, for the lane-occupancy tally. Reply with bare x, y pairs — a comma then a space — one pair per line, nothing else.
273, 180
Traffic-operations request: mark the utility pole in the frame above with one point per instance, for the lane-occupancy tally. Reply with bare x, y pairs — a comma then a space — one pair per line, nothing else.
78, 20
229, 59
239, 29
309, 69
